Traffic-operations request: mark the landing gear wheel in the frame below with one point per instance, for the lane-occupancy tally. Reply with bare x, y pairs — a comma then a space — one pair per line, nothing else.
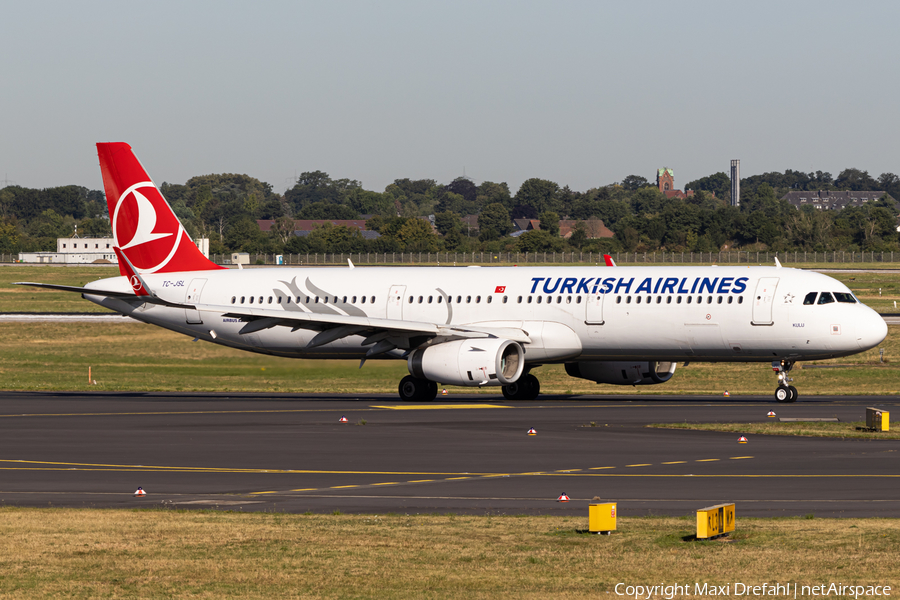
794, 393
782, 394
413, 389
526, 388
533, 387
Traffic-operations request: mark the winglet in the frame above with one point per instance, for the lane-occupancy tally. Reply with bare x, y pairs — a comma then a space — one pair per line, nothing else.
350, 262
609, 260
126, 268
777, 263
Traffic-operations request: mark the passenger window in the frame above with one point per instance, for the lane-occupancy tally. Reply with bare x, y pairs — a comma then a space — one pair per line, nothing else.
251, 299
826, 298
810, 298
420, 299
709, 299
627, 299
568, 299
307, 299
477, 299
459, 299
260, 299
577, 299
520, 300
559, 299
317, 300
659, 299
678, 301
539, 298
410, 299
489, 298
279, 299
344, 301
362, 300
618, 299
668, 299
440, 298
730, 299
430, 298
637, 299
354, 299
233, 299
529, 299
845, 297
740, 299
449, 299
689, 299
373, 300
505, 298
298, 299
549, 299
242, 299
468, 299
270, 299
720, 299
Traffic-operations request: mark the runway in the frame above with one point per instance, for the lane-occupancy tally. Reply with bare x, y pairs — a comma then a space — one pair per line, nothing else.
460, 454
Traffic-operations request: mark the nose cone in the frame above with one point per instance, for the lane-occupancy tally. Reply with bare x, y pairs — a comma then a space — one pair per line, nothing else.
870, 330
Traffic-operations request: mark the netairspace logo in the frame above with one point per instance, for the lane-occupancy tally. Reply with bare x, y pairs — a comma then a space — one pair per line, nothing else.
783, 590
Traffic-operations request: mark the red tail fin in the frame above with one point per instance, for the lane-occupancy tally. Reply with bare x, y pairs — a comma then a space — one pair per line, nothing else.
144, 226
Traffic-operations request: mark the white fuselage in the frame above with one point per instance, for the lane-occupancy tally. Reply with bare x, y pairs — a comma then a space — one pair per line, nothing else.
569, 313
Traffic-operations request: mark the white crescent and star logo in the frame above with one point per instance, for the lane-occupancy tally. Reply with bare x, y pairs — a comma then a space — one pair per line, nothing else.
136, 224
135, 282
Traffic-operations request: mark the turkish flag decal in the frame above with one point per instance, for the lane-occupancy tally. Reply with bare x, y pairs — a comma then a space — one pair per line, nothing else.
500, 289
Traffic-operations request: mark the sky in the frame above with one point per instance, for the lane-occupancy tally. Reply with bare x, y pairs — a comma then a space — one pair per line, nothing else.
583, 93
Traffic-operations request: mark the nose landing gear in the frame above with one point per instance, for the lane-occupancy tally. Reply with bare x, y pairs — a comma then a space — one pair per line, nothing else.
784, 392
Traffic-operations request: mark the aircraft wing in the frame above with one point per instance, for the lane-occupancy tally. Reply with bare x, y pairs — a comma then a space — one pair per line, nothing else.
382, 334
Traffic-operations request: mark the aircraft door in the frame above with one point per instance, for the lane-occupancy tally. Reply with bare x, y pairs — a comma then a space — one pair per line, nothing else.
763, 299
593, 308
192, 296
395, 302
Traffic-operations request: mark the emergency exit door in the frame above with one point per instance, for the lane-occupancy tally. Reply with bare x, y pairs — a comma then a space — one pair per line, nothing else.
763, 300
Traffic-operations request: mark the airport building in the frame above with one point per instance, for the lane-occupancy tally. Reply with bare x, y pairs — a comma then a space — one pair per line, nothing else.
835, 200
86, 250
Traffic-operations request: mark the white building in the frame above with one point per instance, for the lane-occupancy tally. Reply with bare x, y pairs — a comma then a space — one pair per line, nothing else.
85, 250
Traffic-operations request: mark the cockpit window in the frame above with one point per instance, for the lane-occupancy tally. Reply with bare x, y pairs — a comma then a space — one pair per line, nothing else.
810, 298
826, 298
845, 297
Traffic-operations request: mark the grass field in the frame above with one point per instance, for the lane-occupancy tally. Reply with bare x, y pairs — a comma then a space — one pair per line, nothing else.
807, 429
132, 356
154, 553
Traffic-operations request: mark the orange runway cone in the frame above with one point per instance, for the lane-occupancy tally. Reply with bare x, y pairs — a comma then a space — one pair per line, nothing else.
562, 498
742, 440
140, 492
726, 393
771, 413
343, 419
444, 392
532, 431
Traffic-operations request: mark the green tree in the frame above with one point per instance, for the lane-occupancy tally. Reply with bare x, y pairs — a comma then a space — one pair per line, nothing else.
549, 222
416, 235
540, 194
634, 182
493, 222
579, 235
538, 240
9, 237
445, 222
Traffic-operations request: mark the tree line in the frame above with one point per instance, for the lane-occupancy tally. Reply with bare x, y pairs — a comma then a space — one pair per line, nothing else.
225, 208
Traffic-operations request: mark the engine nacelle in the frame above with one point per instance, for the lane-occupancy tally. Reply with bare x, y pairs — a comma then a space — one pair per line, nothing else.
473, 362
623, 372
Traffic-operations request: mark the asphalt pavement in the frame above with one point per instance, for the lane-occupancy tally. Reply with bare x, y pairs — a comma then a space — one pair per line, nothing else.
459, 454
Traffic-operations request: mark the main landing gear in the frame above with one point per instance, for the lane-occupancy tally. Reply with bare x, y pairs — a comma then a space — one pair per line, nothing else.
527, 387
784, 392
413, 389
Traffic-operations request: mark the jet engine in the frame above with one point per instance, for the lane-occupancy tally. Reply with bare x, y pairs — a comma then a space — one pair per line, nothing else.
474, 362
623, 372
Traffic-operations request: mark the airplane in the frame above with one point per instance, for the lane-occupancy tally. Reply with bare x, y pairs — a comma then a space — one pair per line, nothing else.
473, 326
